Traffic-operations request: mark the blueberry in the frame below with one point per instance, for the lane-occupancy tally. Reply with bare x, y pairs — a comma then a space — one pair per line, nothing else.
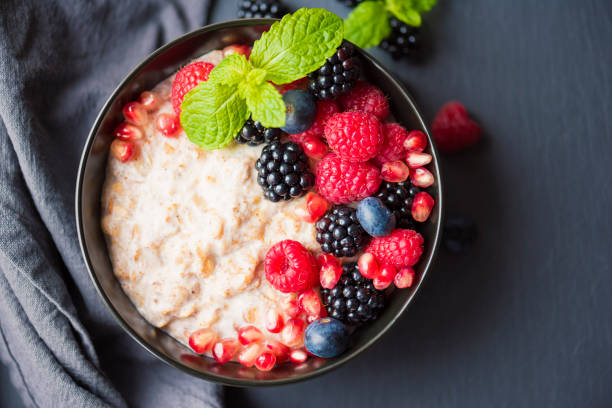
326, 337
375, 218
301, 111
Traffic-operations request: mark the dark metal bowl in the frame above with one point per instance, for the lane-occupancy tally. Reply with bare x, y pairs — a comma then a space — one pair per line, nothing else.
156, 67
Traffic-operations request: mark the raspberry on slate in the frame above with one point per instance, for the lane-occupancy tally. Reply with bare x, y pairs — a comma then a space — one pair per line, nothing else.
325, 110
398, 198
290, 267
187, 79
337, 76
340, 233
354, 300
283, 171
366, 97
341, 181
395, 136
260, 9
402, 248
254, 133
355, 136
453, 129
404, 39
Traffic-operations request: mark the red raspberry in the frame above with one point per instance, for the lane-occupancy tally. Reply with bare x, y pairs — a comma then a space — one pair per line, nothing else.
393, 147
186, 79
452, 128
297, 84
325, 110
365, 97
355, 136
402, 248
341, 181
290, 267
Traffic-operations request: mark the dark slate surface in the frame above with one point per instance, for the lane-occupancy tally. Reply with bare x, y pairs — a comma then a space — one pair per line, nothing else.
525, 317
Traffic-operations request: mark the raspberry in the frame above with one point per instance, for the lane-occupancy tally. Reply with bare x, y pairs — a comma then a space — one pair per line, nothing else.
366, 98
452, 128
402, 248
393, 146
325, 110
297, 84
186, 79
355, 136
341, 181
290, 267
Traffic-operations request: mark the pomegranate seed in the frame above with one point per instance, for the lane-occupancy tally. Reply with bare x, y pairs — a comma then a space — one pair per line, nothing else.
250, 334
134, 112
202, 340
291, 307
404, 277
278, 349
265, 361
394, 171
237, 49
314, 147
323, 258
416, 159
148, 100
421, 177
298, 356
385, 277
330, 274
416, 141
291, 335
167, 124
249, 354
224, 350
310, 303
274, 321
368, 266
317, 205
422, 205
127, 131
122, 150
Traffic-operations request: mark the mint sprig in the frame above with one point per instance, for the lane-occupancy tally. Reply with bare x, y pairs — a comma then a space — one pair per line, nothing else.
368, 24
213, 112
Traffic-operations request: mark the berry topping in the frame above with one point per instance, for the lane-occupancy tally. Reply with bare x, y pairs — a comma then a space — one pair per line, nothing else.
134, 112
187, 79
453, 129
394, 171
260, 9
404, 277
366, 98
298, 356
355, 136
122, 150
385, 277
265, 361
167, 124
339, 232
293, 332
325, 110
283, 171
254, 133
274, 321
421, 177
290, 307
398, 197
354, 300
250, 334
337, 76
326, 338
224, 350
127, 131
404, 40
330, 274
301, 111
376, 219
310, 303
402, 248
237, 49
149, 100
393, 146
416, 141
290, 267
249, 354
368, 266
278, 349
202, 340
341, 181
416, 159
460, 232
314, 147
422, 205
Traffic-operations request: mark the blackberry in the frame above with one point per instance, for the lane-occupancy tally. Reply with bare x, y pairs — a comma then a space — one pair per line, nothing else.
254, 133
351, 3
283, 171
460, 232
398, 198
260, 9
403, 41
354, 299
339, 232
337, 75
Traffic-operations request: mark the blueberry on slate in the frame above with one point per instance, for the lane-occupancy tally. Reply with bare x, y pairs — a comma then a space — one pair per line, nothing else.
301, 111
326, 337
460, 232
375, 218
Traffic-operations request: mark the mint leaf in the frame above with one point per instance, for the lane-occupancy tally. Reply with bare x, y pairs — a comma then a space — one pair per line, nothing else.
266, 104
231, 70
213, 113
368, 24
409, 11
297, 45
423, 6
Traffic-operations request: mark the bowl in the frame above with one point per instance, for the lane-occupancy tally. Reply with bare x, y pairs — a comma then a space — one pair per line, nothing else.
156, 67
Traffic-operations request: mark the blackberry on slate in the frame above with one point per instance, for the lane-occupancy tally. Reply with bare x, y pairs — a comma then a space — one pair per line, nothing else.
260, 9
404, 39
398, 198
337, 76
354, 299
340, 233
254, 133
283, 171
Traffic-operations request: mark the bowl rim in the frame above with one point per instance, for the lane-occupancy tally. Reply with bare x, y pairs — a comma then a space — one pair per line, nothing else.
439, 208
